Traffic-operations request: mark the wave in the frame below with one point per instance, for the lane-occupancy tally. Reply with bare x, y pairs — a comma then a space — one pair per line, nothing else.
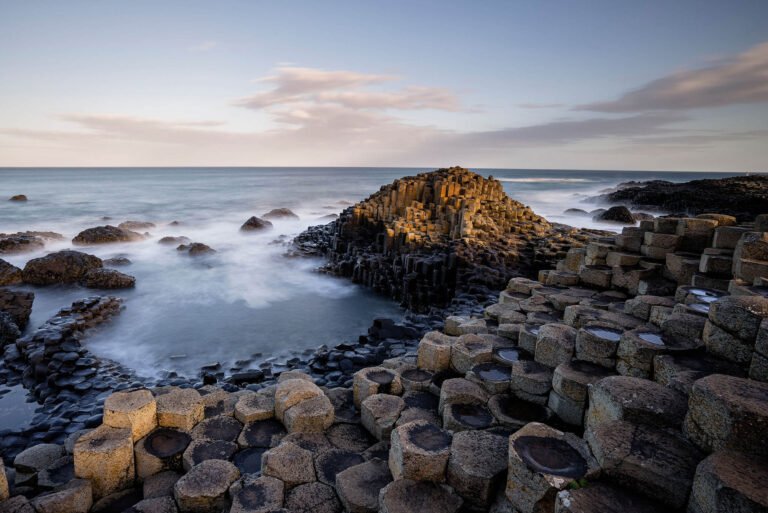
546, 180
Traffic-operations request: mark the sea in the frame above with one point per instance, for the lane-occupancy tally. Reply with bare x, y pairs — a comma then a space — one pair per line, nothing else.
248, 300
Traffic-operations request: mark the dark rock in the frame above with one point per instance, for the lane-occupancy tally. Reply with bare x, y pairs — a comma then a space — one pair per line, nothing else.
18, 197
66, 266
117, 262
616, 214
105, 235
255, 224
196, 248
279, 213
136, 225
9, 274
174, 241
107, 279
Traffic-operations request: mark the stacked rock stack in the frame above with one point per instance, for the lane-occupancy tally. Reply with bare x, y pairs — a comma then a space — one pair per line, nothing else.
424, 238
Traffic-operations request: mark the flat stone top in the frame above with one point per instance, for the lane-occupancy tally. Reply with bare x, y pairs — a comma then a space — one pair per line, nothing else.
582, 372
128, 401
416, 375
178, 399
166, 442
748, 394
210, 478
479, 453
549, 455
641, 393
519, 409
426, 436
740, 472
104, 439
405, 495
381, 376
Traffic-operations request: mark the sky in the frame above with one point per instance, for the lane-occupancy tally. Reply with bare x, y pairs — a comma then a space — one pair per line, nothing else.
558, 84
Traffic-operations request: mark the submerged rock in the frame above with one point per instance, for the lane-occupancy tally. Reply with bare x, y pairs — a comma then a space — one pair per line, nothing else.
18, 197
280, 213
616, 214
107, 279
9, 274
255, 224
105, 235
66, 266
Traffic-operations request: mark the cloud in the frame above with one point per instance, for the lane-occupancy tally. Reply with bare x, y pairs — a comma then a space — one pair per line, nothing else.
541, 105
204, 46
294, 85
736, 80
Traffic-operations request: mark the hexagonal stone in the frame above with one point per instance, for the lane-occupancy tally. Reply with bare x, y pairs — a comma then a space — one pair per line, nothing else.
218, 402
420, 451
262, 433
359, 486
256, 494
470, 350
460, 391
180, 408
160, 450
739, 315
728, 412
154, 505
220, 427
638, 347
597, 342
203, 449
514, 413
680, 371
604, 498
434, 352
160, 485
309, 416
313, 442
333, 461
204, 487
572, 379
531, 381
253, 407
349, 437
406, 496
477, 465
543, 461
312, 498
74, 497
555, 344
136, 410
461, 417
569, 411
635, 400
729, 481
416, 379
291, 392
493, 377
375, 380
38, 457
289, 463
725, 345
380, 412
647, 459
105, 457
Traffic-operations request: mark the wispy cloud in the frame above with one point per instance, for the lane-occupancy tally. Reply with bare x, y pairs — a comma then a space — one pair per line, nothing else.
736, 80
541, 105
204, 46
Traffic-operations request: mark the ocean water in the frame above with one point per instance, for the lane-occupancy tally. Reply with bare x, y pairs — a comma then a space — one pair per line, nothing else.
247, 299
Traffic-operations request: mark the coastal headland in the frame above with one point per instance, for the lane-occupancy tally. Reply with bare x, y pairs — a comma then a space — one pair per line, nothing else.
541, 368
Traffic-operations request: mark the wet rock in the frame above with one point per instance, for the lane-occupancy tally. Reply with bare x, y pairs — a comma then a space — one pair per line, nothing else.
379, 413
543, 461
107, 279
37, 457
105, 235
514, 413
105, 457
729, 481
204, 487
9, 274
726, 412
477, 466
75, 497
136, 225
420, 451
159, 451
174, 241
12, 244
136, 410
262, 433
604, 498
180, 408
359, 486
616, 214
650, 460
195, 249
18, 197
280, 213
61, 267
289, 463
117, 262
312, 498
404, 496
635, 400
220, 427
256, 494
255, 224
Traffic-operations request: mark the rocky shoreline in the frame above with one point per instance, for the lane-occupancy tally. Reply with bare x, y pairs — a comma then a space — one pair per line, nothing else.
618, 373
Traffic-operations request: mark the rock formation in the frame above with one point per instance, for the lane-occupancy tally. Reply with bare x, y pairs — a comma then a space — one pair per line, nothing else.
425, 238
105, 235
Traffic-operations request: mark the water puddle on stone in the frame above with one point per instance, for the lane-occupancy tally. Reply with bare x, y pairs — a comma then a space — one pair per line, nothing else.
429, 437
605, 333
551, 456
493, 372
417, 375
248, 461
15, 411
651, 338
516, 408
476, 417
509, 355
699, 307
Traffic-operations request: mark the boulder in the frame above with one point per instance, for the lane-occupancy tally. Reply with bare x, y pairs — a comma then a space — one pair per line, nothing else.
280, 213
477, 466
136, 225
359, 486
61, 267
11, 244
105, 457
136, 410
289, 463
618, 214
9, 274
107, 279
105, 235
204, 487
37, 458
252, 493
255, 224
405, 496
174, 241
18, 197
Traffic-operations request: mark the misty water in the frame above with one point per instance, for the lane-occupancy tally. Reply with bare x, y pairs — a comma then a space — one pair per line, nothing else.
248, 298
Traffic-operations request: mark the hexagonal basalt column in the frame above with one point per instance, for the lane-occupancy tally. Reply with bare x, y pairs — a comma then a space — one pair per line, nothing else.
105, 457
359, 486
469, 351
291, 392
416, 379
729, 481
180, 408
638, 347
309, 416
380, 412
597, 343
543, 461
136, 410
204, 487
604, 498
289, 463
220, 427
493, 377
434, 353
461, 417
406, 496
375, 380
531, 381
420, 451
477, 465
253, 407
514, 413
203, 449
555, 344
160, 450
251, 493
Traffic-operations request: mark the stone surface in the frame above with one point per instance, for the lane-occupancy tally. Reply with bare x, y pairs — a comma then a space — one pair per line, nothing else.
419, 451
312, 498
105, 235
61, 267
359, 486
253, 407
37, 457
468, 351
160, 450
135, 410
379, 413
309, 416
75, 497
107, 279
253, 494
160, 485
9, 274
289, 463
375, 380
204, 487
729, 481
405, 495
604, 498
255, 224
331, 462
477, 465
180, 408
220, 427
434, 353
105, 457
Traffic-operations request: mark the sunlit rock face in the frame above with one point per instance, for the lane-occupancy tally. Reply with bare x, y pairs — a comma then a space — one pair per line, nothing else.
425, 238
